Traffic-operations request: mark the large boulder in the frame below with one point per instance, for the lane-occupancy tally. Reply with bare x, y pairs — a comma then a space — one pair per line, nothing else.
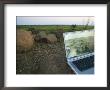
24, 40
41, 37
51, 38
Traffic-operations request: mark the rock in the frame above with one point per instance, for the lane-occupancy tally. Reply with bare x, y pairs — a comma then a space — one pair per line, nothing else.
42, 34
51, 38
24, 40
43, 37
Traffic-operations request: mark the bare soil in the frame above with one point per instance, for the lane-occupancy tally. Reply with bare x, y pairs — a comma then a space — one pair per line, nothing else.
44, 58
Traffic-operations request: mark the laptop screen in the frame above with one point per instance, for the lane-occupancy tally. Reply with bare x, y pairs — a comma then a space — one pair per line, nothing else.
78, 42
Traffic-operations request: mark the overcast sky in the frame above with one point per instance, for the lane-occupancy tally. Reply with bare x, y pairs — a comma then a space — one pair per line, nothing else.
51, 20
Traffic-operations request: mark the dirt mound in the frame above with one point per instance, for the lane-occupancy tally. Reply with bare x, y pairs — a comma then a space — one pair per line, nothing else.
51, 38
24, 40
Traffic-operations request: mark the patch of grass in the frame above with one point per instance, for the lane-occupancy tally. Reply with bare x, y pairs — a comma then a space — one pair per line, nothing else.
55, 27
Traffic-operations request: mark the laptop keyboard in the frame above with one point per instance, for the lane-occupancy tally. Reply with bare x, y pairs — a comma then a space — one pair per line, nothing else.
84, 63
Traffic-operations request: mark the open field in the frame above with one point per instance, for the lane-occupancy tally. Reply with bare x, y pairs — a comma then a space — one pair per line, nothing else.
47, 56
56, 27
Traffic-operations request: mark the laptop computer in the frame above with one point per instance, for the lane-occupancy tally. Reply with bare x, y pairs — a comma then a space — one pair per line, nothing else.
79, 48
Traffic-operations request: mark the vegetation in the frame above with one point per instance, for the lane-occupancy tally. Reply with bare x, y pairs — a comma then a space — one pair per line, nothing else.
56, 27
81, 45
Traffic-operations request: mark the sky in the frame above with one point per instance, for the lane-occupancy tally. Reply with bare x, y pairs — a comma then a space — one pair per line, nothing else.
53, 20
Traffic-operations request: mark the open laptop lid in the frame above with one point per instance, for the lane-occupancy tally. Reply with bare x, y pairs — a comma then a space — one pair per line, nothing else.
79, 43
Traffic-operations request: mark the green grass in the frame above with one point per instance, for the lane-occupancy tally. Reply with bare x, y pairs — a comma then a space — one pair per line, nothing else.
55, 27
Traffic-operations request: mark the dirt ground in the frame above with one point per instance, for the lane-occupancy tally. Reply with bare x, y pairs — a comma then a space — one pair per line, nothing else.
43, 59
